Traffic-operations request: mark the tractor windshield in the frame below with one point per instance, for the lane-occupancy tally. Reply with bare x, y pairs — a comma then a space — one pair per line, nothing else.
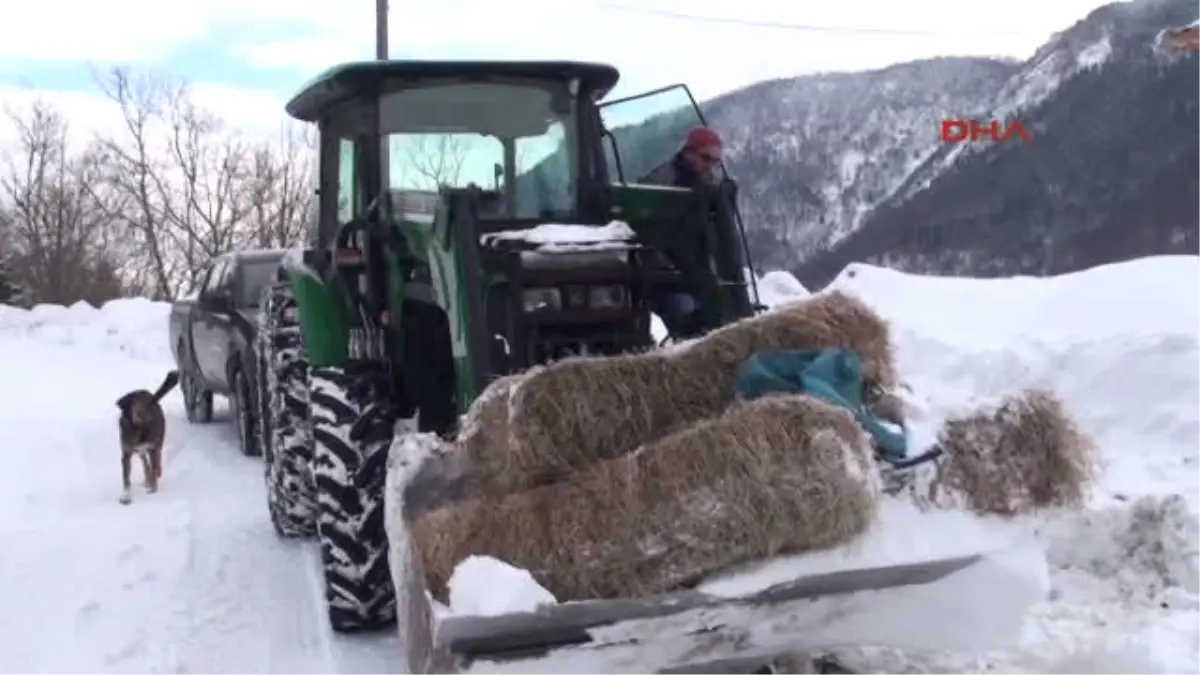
647, 130
511, 137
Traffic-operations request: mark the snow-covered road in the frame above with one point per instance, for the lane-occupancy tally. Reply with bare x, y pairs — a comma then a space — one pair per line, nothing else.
191, 579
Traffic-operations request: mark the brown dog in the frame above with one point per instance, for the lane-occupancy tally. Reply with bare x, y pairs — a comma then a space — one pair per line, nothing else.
143, 428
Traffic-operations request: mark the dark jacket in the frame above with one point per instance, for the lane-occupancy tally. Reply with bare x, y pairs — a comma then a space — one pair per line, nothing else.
674, 173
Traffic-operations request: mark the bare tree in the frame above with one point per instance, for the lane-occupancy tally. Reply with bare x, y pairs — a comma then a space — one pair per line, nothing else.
144, 209
54, 229
437, 160
279, 189
212, 170
188, 179
137, 175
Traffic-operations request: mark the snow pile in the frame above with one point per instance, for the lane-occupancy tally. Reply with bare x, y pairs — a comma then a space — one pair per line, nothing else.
550, 237
483, 586
1119, 343
778, 288
135, 327
900, 536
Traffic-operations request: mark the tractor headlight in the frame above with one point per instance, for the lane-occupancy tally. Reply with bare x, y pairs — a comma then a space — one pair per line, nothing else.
607, 297
539, 299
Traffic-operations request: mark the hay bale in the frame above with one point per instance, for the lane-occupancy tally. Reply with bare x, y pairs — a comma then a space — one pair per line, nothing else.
579, 411
484, 429
781, 474
1025, 454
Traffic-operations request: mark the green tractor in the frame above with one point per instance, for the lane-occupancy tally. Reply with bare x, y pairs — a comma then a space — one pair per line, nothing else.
465, 231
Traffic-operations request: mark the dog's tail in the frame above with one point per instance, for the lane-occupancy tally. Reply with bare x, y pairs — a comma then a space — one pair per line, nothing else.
167, 385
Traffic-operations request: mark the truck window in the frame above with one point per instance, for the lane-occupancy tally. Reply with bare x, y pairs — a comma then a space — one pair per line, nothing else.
255, 277
212, 283
224, 279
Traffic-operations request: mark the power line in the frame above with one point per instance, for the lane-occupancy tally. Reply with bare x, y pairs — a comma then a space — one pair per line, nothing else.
752, 23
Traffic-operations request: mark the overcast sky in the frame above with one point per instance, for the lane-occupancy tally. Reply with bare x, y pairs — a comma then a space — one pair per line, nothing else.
244, 57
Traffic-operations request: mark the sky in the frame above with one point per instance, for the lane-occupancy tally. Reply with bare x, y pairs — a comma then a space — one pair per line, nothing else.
244, 58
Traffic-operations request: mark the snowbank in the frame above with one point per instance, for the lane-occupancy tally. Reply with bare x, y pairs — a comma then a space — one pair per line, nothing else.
778, 287
135, 327
1120, 344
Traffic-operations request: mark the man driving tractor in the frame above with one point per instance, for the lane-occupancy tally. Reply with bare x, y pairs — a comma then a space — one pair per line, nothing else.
696, 163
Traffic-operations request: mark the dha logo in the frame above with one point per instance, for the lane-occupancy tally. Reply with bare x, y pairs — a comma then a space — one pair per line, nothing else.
963, 131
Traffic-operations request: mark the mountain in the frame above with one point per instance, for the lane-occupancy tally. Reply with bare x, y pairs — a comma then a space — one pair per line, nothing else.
812, 154
841, 167
1112, 172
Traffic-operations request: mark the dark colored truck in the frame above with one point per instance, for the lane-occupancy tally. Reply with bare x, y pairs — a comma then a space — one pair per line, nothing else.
212, 339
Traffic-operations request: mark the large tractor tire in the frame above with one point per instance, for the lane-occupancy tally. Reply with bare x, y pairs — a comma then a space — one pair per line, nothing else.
353, 424
286, 429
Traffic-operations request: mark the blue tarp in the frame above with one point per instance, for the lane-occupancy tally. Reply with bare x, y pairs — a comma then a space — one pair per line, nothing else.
832, 375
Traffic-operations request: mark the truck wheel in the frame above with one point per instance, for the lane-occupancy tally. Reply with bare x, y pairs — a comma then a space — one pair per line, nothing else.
197, 401
242, 409
353, 427
287, 431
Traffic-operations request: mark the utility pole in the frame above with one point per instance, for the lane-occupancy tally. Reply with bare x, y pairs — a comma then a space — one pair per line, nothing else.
381, 54
381, 30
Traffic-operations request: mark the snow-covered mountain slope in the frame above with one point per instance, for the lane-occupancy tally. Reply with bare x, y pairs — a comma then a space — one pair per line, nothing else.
813, 153
1086, 45
1111, 172
821, 157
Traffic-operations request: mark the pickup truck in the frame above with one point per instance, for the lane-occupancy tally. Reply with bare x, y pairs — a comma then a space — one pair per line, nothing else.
212, 340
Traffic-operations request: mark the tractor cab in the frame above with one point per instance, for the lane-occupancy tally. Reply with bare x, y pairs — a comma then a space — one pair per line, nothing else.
487, 203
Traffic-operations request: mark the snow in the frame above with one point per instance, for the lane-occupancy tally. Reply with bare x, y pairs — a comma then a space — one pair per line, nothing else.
555, 234
190, 579
896, 538
1120, 344
778, 288
193, 579
121, 327
1095, 54
484, 586
293, 262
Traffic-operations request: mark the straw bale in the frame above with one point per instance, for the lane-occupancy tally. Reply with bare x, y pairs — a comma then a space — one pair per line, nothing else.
1025, 454
484, 430
582, 410
781, 474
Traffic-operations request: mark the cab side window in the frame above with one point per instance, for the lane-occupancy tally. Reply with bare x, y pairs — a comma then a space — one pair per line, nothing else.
216, 277
346, 180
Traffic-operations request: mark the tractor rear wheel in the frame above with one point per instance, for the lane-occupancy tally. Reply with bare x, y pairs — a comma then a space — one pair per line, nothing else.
353, 424
286, 427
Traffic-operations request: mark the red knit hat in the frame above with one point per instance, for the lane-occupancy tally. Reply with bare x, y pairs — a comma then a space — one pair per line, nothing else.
702, 137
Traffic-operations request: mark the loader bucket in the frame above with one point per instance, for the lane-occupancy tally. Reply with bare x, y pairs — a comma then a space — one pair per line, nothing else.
931, 605
969, 602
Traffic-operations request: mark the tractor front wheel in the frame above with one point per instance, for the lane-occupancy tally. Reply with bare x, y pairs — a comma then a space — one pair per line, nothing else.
353, 424
287, 431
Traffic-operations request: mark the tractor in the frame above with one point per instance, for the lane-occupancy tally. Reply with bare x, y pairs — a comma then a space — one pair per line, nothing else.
475, 219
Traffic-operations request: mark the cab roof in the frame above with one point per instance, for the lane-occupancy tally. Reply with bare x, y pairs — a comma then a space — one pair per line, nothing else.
343, 81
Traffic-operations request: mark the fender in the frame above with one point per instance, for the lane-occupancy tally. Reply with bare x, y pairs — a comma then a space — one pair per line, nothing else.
322, 312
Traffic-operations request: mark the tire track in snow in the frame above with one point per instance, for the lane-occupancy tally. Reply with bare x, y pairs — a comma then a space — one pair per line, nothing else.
243, 601
247, 600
